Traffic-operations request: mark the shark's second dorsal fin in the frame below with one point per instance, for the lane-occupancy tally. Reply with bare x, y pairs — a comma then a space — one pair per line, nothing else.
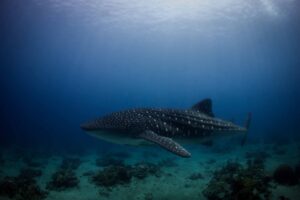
204, 106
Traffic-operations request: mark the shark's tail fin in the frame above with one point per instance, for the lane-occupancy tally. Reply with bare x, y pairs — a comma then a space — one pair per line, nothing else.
247, 126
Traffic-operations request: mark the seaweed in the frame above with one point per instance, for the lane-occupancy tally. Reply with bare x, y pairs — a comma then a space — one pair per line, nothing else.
234, 181
23, 187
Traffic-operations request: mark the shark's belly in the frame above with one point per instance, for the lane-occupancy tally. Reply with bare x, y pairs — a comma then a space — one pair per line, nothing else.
118, 138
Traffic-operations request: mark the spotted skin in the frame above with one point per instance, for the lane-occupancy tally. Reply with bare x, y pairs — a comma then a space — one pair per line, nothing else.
166, 143
163, 124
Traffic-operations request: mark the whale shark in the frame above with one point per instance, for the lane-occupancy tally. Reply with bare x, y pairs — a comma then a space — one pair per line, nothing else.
168, 128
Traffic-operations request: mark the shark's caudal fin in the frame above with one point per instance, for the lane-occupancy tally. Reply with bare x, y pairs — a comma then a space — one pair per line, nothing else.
204, 106
247, 126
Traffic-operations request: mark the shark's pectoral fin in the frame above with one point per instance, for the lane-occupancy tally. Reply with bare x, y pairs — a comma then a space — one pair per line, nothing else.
166, 143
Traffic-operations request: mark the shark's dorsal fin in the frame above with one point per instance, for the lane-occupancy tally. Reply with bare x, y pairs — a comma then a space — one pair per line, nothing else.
166, 143
204, 106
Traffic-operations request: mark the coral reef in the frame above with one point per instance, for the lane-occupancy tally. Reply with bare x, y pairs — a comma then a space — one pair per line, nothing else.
63, 179
234, 181
285, 175
122, 174
143, 169
22, 187
112, 175
195, 176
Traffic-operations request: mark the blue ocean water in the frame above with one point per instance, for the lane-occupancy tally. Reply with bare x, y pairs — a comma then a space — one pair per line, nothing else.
62, 65
64, 62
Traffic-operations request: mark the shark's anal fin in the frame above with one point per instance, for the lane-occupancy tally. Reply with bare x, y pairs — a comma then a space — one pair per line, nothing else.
166, 143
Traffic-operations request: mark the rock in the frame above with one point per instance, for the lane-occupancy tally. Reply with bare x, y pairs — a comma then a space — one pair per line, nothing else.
234, 181
285, 175
112, 176
32, 192
63, 179
21, 188
122, 174
143, 169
